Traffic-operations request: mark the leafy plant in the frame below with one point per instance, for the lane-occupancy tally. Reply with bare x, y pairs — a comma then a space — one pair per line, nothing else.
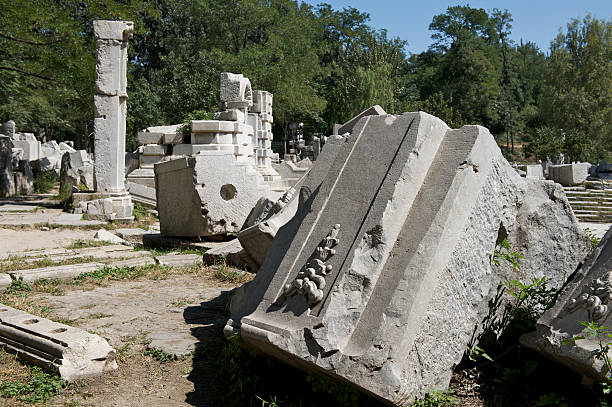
139, 211
592, 237
159, 355
345, 394
44, 182
530, 300
18, 285
474, 352
39, 388
505, 252
437, 399
551, 399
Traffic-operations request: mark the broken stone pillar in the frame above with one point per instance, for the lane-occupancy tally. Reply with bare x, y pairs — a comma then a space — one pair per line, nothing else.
384, 274
7, 180
8, 129
68, 351
109, 122
586, 299
24, 178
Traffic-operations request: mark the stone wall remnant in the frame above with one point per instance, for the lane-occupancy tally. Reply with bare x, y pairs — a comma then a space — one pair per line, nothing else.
385, 272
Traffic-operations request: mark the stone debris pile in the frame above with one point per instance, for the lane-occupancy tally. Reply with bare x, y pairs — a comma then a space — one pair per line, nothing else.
384, 275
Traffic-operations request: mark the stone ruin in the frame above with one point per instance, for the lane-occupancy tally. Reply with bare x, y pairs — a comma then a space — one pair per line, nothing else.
587, 298
384, 275
110, 201
225, 169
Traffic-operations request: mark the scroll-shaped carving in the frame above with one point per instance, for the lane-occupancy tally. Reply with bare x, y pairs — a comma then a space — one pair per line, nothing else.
594, 298
310, 281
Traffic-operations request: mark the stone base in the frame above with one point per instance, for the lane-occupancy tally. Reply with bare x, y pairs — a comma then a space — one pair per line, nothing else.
104, 206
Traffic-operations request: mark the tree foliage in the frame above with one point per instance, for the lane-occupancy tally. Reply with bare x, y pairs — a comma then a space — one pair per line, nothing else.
322, 65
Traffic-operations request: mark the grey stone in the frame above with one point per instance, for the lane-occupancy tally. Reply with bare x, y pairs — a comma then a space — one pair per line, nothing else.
106, 236
5, 281
7, 179
347, 127
569, 174
130, 233
179, 260
382, 280
232, 253
59, 348
8, 129
586, 298
235, 88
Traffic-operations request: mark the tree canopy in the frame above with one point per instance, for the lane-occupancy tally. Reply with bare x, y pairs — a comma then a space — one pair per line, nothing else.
322, 65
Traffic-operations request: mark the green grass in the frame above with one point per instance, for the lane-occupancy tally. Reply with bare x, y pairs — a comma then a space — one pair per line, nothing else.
14, 264
39, 387
45, 182
83, 243
122, 273
159, 355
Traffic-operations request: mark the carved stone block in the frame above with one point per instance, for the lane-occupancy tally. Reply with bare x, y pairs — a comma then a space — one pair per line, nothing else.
384, 274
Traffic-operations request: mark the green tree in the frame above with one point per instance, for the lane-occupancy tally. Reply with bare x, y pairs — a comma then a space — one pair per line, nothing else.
577, 93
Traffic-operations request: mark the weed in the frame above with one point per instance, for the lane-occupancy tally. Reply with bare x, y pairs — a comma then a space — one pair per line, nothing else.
18, 285
139, 211
114, 273
345, 394
266, 403
474, 352
436, 399
592, 237
44, 182
49, 286
159, 355
39, 388
88, 306
227, 274
22, 264
505, 252
98, 315
551, 399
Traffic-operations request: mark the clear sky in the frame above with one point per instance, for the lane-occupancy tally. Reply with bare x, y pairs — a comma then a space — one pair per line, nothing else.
534, 20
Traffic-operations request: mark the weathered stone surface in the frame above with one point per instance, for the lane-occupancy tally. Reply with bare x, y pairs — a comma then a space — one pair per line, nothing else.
59, 348
106, 236
8, 129
348, 126
257, 237
5, 281
586, 298
236, 88
216, 194
24, 178
50, 157
569, 174
231, 253
179, 260
535, 171
77, 171
384, 274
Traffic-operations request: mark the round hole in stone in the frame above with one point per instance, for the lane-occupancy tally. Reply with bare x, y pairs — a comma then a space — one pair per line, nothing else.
3, 310
31, 321
228, 192
58, 330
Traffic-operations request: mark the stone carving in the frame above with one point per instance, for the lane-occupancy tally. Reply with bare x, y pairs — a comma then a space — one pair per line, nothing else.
421, 208
310, 281
594, 298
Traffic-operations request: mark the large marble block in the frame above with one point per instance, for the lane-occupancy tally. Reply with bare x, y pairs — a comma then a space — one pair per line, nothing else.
384, 274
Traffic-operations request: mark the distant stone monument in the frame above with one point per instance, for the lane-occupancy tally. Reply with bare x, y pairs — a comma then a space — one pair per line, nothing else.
111, 201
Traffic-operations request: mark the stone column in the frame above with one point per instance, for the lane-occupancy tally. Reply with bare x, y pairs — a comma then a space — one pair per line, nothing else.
113, 201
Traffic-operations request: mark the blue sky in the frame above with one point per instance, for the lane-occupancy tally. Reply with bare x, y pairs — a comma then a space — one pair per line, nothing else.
534, 20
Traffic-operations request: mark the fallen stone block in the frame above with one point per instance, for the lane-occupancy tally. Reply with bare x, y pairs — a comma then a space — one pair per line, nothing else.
130, 233
384, 275
63, 272
106, 236
179, 260
58, 348
5, 281
232, 254
569, 174
587, 298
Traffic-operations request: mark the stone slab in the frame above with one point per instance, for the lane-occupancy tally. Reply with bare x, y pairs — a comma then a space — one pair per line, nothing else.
179, 260
69, 351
